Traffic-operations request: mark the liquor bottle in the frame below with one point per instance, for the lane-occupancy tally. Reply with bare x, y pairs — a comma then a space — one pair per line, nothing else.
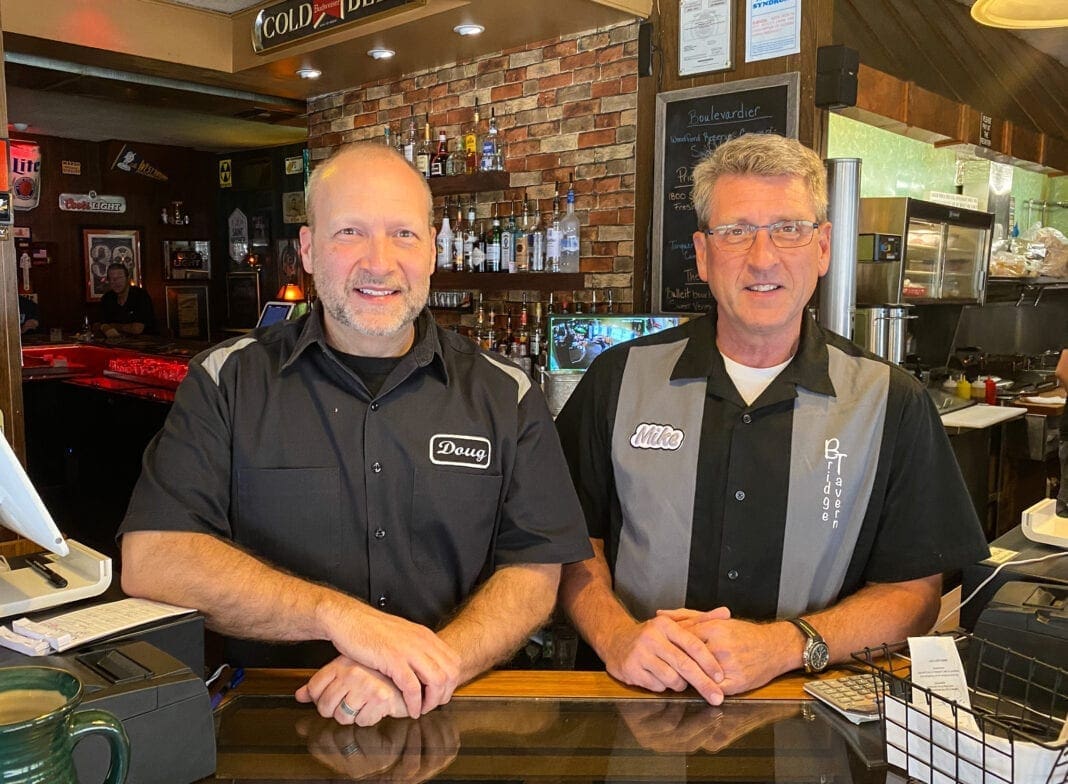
606, 306
489, 333
480, 322
458, 241
493, 244
552, 235
470, 238
569, 234
538, 353
440, 158
424, 153
457, 162
506, 336
522, 249
410, 139
593, 301
536, 242
471, 143
508, 242
387, 136
444, 241
490, 152
521, 341
478, 248
576, 303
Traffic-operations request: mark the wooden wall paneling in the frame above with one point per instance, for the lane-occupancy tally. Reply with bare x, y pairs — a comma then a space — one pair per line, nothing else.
855, 29
1024, 143
933, 112
882, 94
1006, 62
1055, 153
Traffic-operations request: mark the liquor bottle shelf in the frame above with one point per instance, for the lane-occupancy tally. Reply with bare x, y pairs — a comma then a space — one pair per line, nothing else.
469, 183
508, 281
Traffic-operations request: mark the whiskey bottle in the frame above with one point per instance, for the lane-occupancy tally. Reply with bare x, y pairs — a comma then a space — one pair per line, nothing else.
493, 244
508, 241
472, 147
440, 158
424, 153
410, 140
569, 234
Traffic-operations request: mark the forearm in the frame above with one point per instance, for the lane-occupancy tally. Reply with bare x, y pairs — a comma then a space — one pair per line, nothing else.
239, 595
495, 621
876, 614
1062, 369
587, 597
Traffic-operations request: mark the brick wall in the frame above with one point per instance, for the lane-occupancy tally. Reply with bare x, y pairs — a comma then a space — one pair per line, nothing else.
564, 106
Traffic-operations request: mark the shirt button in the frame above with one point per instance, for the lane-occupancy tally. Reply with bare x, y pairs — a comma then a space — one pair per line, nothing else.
732, 574
380, 534
740, 495
747, 418
376, 467
383, 600
374, 406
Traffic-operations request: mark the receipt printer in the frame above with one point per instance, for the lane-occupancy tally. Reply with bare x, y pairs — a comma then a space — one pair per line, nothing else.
1030, 619
163, 706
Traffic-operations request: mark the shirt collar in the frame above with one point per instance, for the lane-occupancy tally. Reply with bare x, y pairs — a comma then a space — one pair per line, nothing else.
702, 359
425, 351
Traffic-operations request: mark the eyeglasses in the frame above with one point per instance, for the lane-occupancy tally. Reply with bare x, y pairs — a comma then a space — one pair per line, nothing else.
784, 234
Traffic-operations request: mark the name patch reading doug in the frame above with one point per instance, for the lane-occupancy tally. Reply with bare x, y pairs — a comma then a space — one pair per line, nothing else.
652, 436
454, 450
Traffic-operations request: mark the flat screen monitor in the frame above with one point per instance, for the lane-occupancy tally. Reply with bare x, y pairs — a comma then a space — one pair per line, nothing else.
21, 509
275, 311
576, 340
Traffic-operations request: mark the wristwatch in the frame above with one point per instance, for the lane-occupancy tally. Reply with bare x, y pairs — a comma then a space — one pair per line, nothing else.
815, 657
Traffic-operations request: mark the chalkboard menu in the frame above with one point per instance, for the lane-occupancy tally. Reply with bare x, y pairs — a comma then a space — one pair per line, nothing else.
689, 125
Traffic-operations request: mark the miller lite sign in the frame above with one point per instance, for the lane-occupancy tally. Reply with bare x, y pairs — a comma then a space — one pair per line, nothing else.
291, 20
25, 174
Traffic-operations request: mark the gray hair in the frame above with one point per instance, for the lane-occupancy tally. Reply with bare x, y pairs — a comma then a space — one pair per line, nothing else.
760, 155
363, 151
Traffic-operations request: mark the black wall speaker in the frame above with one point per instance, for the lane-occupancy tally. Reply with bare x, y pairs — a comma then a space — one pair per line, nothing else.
645, 49
836, 76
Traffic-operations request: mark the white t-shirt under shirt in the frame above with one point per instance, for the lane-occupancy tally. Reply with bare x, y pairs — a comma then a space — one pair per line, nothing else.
749, 381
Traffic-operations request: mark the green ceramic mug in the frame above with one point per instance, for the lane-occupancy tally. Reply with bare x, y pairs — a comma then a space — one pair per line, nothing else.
39, 726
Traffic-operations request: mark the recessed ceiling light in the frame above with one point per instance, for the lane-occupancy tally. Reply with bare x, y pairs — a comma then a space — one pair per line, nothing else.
309, 73
20, 126
469, 29
381, 53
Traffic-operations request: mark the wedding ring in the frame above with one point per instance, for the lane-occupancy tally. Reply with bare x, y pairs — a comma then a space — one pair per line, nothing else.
344, 706
349, 749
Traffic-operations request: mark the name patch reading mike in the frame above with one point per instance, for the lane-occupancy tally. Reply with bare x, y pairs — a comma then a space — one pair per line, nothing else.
454, 450
649, 435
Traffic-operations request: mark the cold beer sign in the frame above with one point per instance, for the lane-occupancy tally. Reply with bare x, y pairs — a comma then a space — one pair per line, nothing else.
289, 21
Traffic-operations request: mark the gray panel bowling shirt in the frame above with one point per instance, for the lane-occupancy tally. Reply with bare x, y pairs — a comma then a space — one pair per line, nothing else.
838, 475
407, 499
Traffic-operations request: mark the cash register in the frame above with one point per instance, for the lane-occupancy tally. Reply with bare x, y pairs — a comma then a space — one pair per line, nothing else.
161, 701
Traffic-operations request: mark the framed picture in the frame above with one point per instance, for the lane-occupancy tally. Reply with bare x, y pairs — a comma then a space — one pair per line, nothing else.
293, 207
259, 226
187, 259
290, 266
187, 312
242, 299
102, 247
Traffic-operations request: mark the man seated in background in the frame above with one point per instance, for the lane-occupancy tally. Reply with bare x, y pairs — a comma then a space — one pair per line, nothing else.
761, 494
125, 309
363, 491
29, 320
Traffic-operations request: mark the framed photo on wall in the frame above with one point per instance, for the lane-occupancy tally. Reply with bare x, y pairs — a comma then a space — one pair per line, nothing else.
242, 299
187, 312
187, 259
101, 247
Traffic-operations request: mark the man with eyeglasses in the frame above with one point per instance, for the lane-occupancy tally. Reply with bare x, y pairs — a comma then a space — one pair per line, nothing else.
762, 495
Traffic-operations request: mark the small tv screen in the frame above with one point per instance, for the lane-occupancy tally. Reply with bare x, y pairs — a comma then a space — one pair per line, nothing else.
576, 340
273, 312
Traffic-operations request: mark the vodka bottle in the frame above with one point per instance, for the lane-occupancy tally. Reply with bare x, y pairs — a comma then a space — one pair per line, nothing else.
444, 241
410, 139
536, 242
491, 158
553, 235
569, 235
508, 242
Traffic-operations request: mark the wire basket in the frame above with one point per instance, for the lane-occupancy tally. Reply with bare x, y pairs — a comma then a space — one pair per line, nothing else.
1009, 734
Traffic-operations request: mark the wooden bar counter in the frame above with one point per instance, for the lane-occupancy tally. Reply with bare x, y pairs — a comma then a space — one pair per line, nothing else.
546, 726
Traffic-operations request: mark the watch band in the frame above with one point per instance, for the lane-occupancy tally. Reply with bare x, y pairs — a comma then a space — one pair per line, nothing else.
815, 655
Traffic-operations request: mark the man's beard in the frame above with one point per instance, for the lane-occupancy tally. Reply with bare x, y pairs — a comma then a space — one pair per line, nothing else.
369, 322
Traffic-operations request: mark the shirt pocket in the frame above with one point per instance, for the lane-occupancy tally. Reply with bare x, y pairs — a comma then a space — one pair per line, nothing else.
291, 517
454, 518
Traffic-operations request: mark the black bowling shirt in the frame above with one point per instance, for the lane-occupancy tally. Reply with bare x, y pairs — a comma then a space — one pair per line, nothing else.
407, 499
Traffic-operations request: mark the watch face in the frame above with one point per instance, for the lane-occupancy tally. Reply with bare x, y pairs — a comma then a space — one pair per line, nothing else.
818, 656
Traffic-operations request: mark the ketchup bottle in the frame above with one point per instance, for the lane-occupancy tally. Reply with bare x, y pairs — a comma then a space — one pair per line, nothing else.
991, 392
